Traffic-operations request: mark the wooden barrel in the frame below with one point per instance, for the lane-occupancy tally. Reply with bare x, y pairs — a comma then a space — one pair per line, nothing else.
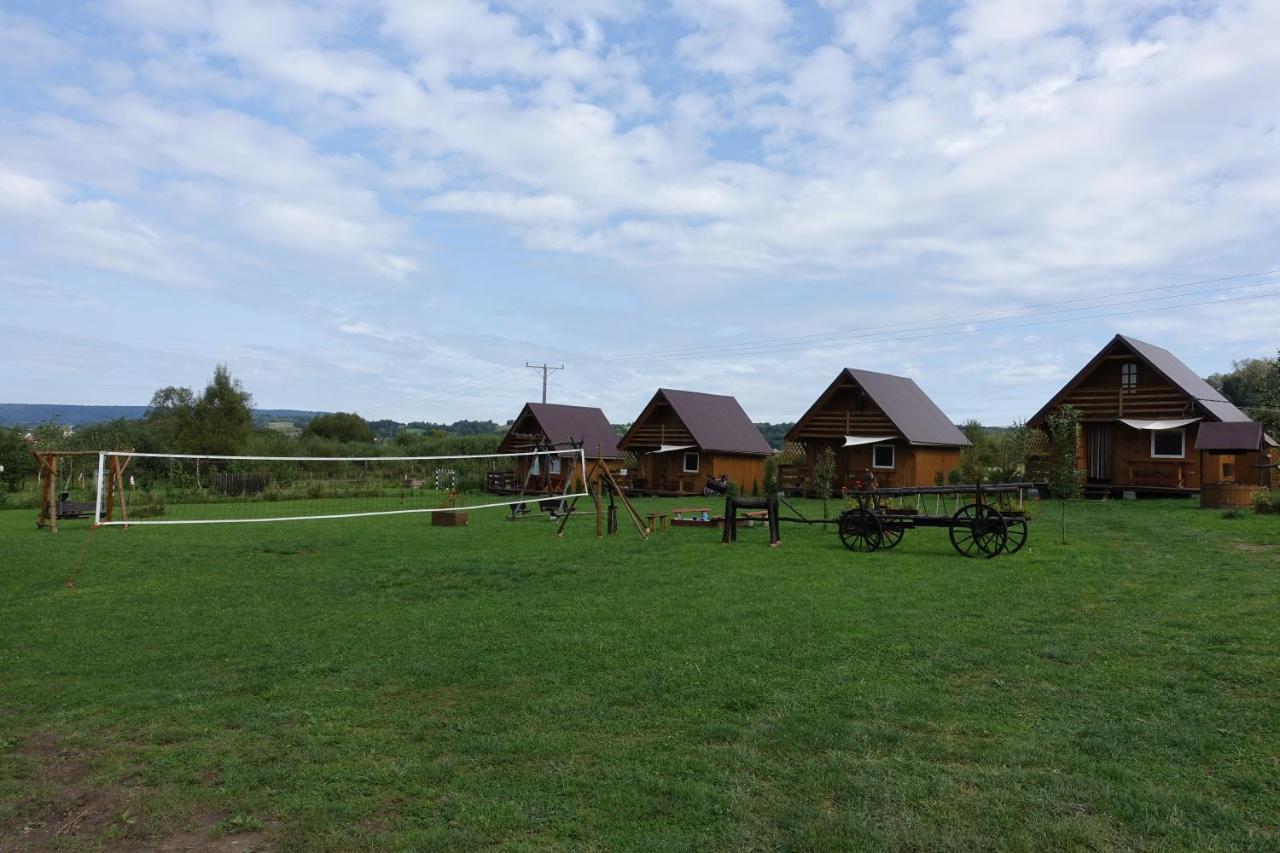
1227, 495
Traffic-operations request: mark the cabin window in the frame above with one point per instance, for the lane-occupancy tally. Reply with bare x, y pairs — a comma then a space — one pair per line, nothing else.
1169, 443
691, 463
882, 456
1129, 375
535, 468
553, 465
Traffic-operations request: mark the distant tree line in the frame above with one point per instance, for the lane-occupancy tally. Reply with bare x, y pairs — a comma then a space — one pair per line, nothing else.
220, 421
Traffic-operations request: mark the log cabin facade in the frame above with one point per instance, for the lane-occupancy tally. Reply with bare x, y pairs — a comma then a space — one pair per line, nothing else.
883, 429
556, 427
684, 438
1141, 410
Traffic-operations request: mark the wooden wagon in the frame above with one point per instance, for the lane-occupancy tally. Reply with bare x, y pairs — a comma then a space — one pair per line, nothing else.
977, 528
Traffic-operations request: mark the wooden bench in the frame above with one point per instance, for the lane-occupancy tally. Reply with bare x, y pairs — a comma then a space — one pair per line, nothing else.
661, 519
1158, 473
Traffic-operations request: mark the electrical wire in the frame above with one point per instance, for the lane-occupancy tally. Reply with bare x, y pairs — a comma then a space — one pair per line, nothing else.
717, 348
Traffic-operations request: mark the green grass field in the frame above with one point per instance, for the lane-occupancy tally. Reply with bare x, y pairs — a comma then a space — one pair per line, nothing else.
379, 683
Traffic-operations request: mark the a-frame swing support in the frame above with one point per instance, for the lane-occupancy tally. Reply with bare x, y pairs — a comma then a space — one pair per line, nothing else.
594, 481
109, 493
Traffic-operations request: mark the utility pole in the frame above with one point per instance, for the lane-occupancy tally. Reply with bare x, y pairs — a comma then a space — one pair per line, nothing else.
546, 370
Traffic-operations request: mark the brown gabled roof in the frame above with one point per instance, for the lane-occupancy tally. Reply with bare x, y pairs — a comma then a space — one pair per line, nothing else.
1232, 437
916, 417
1165, 364
716, 422
565, 425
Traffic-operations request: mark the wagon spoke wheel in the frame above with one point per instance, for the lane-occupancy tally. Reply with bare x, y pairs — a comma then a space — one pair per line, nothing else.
893, 534
1017, 534
860, 530
978, 530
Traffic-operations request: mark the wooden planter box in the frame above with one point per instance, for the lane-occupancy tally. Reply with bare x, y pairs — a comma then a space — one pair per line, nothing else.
449, 518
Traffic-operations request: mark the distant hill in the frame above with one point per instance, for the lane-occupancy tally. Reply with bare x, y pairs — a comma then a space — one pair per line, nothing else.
33, 414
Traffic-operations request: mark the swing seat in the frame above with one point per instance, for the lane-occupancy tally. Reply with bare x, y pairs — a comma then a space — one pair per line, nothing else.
73, 509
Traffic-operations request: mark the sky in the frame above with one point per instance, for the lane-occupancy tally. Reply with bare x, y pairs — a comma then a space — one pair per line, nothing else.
390, 207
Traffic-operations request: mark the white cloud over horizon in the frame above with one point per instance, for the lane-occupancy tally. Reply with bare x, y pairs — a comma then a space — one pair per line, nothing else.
405, 201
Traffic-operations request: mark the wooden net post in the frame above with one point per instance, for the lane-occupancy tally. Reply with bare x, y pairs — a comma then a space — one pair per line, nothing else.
599, 492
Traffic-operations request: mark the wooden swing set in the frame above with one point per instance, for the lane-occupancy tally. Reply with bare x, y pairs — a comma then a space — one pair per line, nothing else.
55, 502
599, 482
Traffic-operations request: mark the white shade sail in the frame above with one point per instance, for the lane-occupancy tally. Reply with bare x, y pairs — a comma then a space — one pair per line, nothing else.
1157, 425
672, 448
855, 440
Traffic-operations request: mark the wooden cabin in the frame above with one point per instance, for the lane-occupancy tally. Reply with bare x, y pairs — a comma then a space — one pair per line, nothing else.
1141, 412
563, 429
682, 439
883, 429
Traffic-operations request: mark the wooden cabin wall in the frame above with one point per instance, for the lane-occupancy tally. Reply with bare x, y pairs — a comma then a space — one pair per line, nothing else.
1135, 466
933, 464
664, 471
746, 471
912, 466
1100, 396
848, 411
659, 428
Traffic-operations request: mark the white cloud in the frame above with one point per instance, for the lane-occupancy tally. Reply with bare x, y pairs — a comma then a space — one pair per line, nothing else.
95, 232
870, 27
734, 37
1012, 150
25, 43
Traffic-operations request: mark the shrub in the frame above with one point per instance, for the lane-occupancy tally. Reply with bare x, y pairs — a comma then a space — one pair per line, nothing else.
1267, 503
955, 476
148, 504
771, 475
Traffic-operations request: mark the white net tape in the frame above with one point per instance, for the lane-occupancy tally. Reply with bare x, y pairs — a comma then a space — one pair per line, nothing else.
155, 488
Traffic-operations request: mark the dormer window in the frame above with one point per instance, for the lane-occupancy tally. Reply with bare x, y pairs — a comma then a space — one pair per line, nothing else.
1129, 375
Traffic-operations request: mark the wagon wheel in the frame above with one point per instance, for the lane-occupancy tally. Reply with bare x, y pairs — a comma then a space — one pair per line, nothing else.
1017, 530
978, 530
861, 530
893, 534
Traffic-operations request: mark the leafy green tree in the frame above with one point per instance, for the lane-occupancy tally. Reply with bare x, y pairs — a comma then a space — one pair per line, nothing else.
1008, 452
975, 459
221, 419
169, 416
15, 456
340, 426
1065, 476
1254, 385
824, 477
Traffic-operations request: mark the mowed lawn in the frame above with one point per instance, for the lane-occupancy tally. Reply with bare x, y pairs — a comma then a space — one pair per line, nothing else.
380, 683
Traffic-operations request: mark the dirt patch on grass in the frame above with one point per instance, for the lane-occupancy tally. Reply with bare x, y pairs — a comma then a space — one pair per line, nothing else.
63, 808
1258, 549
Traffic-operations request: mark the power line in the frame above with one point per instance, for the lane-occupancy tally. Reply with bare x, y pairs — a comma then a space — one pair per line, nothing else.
871, 335
820, 336
460, 383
